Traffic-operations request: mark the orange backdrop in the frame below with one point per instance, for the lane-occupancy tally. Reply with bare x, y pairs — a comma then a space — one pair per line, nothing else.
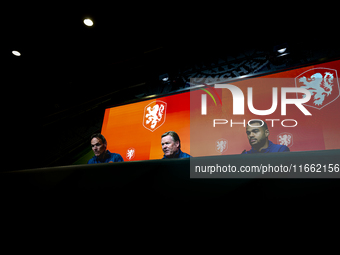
125, 126
319, 131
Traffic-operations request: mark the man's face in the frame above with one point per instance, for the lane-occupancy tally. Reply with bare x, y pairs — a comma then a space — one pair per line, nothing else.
257, 135
97, 146
169, 146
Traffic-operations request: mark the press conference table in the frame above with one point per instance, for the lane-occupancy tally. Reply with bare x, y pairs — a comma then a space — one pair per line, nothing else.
168, 180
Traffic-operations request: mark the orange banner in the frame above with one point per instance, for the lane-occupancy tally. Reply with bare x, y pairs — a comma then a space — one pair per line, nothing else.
134, 130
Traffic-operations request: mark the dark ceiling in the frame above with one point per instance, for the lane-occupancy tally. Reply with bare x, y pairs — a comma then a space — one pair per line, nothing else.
69, 62
66, 65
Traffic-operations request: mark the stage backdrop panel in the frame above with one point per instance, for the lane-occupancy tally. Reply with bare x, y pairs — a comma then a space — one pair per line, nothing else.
300, 132
134, 130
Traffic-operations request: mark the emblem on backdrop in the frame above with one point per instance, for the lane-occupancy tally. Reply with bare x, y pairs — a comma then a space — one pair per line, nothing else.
285, 138
154, 115
221, 145
130, 153
323, 85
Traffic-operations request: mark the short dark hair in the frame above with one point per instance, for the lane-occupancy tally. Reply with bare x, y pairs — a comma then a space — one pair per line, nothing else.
100, 136
265, 126
174, 136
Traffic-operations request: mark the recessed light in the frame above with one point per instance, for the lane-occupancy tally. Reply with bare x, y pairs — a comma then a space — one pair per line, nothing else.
284, 54
88, 22
16, 53
281, 50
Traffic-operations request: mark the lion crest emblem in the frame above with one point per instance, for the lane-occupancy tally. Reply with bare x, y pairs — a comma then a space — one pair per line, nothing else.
322, 84
285, 139
154, 115
221, 145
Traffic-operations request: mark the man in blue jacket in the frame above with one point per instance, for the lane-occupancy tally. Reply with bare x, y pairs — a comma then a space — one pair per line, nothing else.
101, 154
257, 133
171, 146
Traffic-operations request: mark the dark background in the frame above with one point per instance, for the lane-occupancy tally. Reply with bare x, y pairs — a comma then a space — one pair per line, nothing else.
55, 93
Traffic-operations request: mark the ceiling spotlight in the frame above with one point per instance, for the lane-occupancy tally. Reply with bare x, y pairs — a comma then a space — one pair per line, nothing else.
284, 54
164, 77
16, 53
88, 22
281, 50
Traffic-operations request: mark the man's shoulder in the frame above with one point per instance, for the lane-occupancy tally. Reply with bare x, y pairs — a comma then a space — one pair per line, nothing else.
271, 148
92, 160
279, 148
115, 157
184, 155
247, 152
180, 154
283, 148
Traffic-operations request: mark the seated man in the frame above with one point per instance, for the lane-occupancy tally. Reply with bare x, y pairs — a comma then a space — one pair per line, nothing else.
101, 154
258, 133
171, 146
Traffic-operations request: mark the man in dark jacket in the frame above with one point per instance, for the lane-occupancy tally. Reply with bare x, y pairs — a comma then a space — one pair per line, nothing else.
171, 146
257, 133
101, 154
